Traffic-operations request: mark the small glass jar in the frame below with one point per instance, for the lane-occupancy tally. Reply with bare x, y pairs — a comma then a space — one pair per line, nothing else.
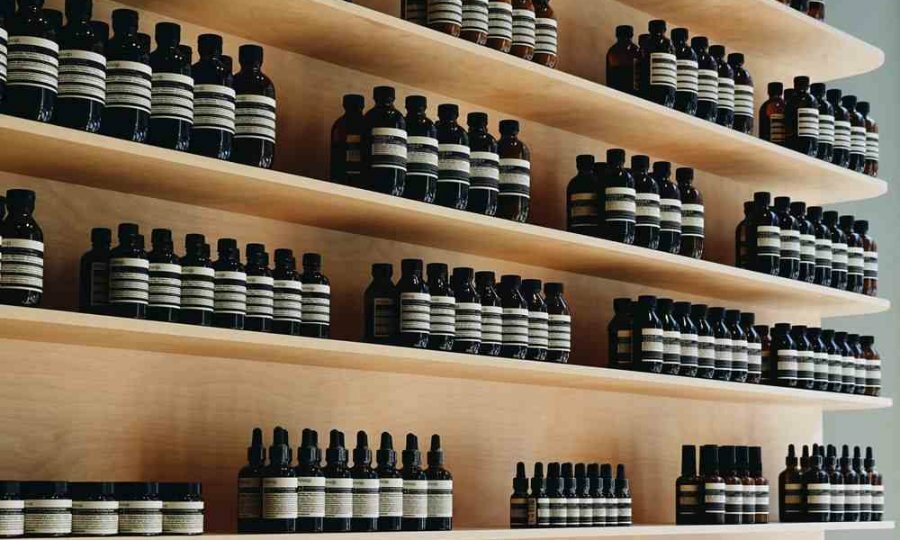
183, 508
12, 510
140, 508
48, 509
95, 511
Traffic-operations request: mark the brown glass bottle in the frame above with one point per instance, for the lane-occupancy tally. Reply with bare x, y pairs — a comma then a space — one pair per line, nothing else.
582, 199
870, 258
422, 152
725, 108
807, 242
623, 61
790, 239
445, 16
872, 360
790, 490
500, 25
523, 29
712, 492
660, 71
872, 139
857, 135
619, 207
876, 482
346, 142
414, 11
826, 122
842, 129
817, 491
619, 338
385, 145
647, 336
765, 353
748, 483
475, 17
515, 174
785, 359
839, 251
800, 5
855, 255
546, 48
687, 85
707, 80
834, 361
706, 342
764, 237
823, 246
817, 9
688, 507
485, 166
771, 115
801, 119
743, 94
741, 238
761, 486
692, 214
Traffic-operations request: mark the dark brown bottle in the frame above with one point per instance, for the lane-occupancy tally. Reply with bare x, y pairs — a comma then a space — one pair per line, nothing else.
872, 139
689, 359
538, 320
93, 293
32, 50
743, 94
839, 251
646, 232
712, 493
801, 119
707, 80
619, 335
515, 174
817, 491
876, 483
623, 62
765, 353
688, 505
385, 145
380, 303
843, 138
484, 174
671, 337
826, 123
761, 508
859, 364
855, 255
706, 342
748, 484
754, 348
491, 315
687, 85
848, 363
128, 81
500, 25
669, 208
790, 239
453, 159
739, 346
807, 242
692, 214
800, 5
415, 306
422, 152
725, 110
764, 237
22, 272
468, 311
475, 15
823, 246
835, 361
414, 11
619, 206
817, 9
129, 275
785, 359
643, 59
515, 318
852, 492
806, 359
546, 48
871, 359
82, 71
790, 490
172, 112
820, 356
647, 336
582, 199
857, 135
836, 479
346, 142
724, 343
741, 238
256, 111
870, 258
445, 16
443, 308
560, 322
771, 115
523, 29
212, 134
660, 71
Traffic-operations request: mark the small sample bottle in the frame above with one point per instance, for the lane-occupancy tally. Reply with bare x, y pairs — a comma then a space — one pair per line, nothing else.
712, 491
873, 149
706, 342
623, 62
250, 486
260, 290
647, 223
518, 501
523, 29
790, 239
817, 490
857, 134
422, 156
556, 494
670, 211
475, 21
197, 282
648, 336
843, 134
688, 506
619, 213
288, 294
835, 361
855, 255
573, 507
415, 306
440, 489
515, 318
31, 49
93, 290
791, 490
764, 237
723, 342
128, 81
316, 291
852, 491
390, 486
415, 487
743, 94
784, 357
500, 25
807, 242
771, 115
848, 363
491, 315
443, 309
748, 511
538, 501
82, 71
754, 348
515, 174
762, 486
453, 159
806, 360
583, 199
365, 494
734, 486
212, 134
825, 150
484, 174
380, 306
836, 480
13, 505
595, 496
609, 496
165, 278
671, 337
346, 142
95, 511
338, 485
870, 258
619, 337
688, 83
623, 497
660, 71
230, 287
740, 357
839, 251
279, 488
385, 145
692, 214
538, 320
876, 483
546, 48
445, 16
583, 494
802, 119
255, 111
725, 111
468, 311
129, 275
22, 248
560, 323
414, 11
820, 354
823, 257
172, 110
707, 80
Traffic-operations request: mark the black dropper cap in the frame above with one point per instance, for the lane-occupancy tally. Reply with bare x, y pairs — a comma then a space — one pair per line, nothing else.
606, 473
362, 455
775, 89
585, 162
864, 107
278, 452
845, 456
640, 162
736, 59
509, 127
411, 456
256, 452
831, 457
386, 455
308, 453
520, 482
624, 31
336, 453
857, 457
250, 55
580, 475
538, 482
622, 482
870, 458
804, 458
384, 94
688, 460
436, 453
415, 103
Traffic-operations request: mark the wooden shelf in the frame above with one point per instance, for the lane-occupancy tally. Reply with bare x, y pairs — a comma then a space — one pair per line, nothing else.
785, 41
116, 165
40, 325
343, 33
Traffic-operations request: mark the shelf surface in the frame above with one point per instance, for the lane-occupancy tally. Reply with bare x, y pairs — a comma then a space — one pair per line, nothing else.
342, 33
40, 325
769, 33
111, 164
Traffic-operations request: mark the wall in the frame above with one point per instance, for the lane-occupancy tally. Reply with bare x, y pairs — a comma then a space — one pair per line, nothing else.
876, 23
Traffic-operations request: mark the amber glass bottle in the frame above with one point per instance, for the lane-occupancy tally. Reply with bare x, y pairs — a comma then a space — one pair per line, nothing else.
647, 196
764, 237
619, 199
857, 134
807, 242
32, 49
346, 142
623, 62
743, 94
870, 258
725, 110
741, 238
790, 490
670, 208
445, 16
484, 174
687, 489
255, 112
687, 85
647, 336
771, 115
660, 71
546, 48
872, 138
172, 111
707, 80
843, 137
128, 98
855, 255
422, 155
475, 16
385, 145
515, 174
582, 199
523, 29
790, 239
712, 492
692, 214
826, 122
453, 159
500, 25
801, 119
817, 9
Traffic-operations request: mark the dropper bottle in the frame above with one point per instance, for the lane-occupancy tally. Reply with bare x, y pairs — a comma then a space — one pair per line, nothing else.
609, 496
876, 480
415, 487
538, 502
311, 485
790, 490
573, 510
558, 502
250, 486
440, 489
623, 497
852, 495
279, 488
865, 487
595, 487
365, 487
338, 485
518, 502
390, 486
583, 492
836, 479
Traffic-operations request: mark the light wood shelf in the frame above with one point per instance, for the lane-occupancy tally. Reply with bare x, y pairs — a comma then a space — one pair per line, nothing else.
771, 34
116, 165
49, 326
343, 33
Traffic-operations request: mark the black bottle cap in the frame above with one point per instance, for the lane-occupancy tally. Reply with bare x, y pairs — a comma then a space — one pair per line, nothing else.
520, 481
748, 319
798, 330
717, 51
736, 59
136, 490
538, 482
177, 491
256, 253
775, 89
412, 456
727, 457
662, 169
782, 203
868, 341
580, 471
193, 240
20, 198
411, 266
413, 103
864, 107
250, 55
762, 198
283, 255
624, 31
817, 89
657, 26
448, 111
834, 95
814, 213
382, 270
161, 237
716, 313
10, 488
127, 230
77, 9
336, 453
511, 280
553, 470
308, 453
256, 452
688, 460
733, 316
762, 330
101, 235
312, 261
463, 274
477, 119
139, 241
386, 455
384, 94
830, 217
509, 127
801, 82
755, 455
849, 102
621, 305
168, 33
798, 208
226, 245
647, 301
362, 455
356, 101
870, 458
682, 309
861, 226
816, 461
846, 222
622, 482
209, 45
81, 491
840, 336
533, 285
436, 453
742, 456
566, 471
616, 157
665, 305
436, 271
700, 43
125, 20
684, 175
554, 289
640, 162
585, 162
101, 31
699, 310
606, 471
680, 34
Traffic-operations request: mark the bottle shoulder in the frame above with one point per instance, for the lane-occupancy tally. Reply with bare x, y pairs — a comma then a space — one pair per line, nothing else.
451, 133
314, 278
22, 227
439, 473
253, 83
385, 117
166, 257
226, 265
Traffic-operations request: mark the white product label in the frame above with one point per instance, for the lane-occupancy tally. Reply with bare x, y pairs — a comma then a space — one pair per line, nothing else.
818, 498
165, 285
714, 498
22, 265
739, 358
692, 220
288, 301
835, 367
443, 316
743, 100
647, 206
787, 364
12, 518
806, 365
790, 244
484, 172
129, 280
260, 297
776, 128
388, 148
808, 249
92, 518
453, 164
279, 499
338, 498
311, 496
491, 324
724, 354
873, 147
390, 497
500, 22
843, 139
858, 140
231, 293
172, 97
4, 36
620, 204
515, 327
663, 70
249, 498
823, 252
670, 215
468, 321
384, 314
839, 256
140, 517
445, 12
415, 313
129, 85
826, 129
198, 288
652, 345
754, 358
855, 261
33, 61
515, 178
671, 347
560, 333
688, 76
870, 262
415, 498
440, 498
706, 351
524, 27
538, 330
547, 36
768, 241
708, 85
726, 94
365, 498
254, 117
82, 75
422, 156
183, 517
214, 107
475, 16
808, 122
734, 498
316, 304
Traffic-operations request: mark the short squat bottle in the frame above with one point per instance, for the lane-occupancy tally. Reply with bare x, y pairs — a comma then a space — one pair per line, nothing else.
619, 212
840, 251
415, 306
500, 25
197, 282
422, 156
475, 21
873, 149
583, 199
288, 306
491, 314
316, 298
743, 94
515, 318
801, 119
484, 173
93, 291
515, 174
212, 134
647, 336
669, 208
453, 159
443, 308
260, 290
172, 110
128, 81
843, 134
857, 135
660, 72
560, 322
380, 306
623, 62
725, 112
165, 278
346, 142
647, 222
82, 71
707, 80
771, 115
255, 111
445, 16
129, 275
825, 150
764, 237
32, 70
385, 145
692, 214
687, 86
789, 238
468, 311
230, 287
538, 320
546, 47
